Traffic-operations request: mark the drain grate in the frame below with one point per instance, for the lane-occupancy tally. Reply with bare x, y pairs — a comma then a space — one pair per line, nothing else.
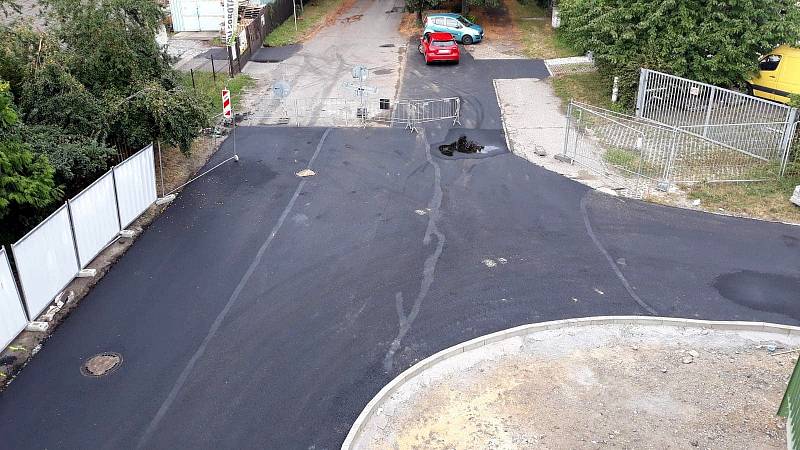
102, 364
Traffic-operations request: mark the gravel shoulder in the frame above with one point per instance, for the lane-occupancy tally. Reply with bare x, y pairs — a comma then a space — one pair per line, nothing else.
626, 386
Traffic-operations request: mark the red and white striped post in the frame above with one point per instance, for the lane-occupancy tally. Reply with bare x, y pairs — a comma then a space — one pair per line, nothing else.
227, 113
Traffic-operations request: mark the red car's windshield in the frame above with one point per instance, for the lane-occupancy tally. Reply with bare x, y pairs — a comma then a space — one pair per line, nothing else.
443, 43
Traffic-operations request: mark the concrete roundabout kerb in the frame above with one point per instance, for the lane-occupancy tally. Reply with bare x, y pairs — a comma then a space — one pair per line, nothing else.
722, 340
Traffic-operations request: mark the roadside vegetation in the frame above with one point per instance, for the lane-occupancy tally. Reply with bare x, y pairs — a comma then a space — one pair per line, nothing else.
208, 90
315, 14
69, 106
713, 42
538, 38
765, 199
593, 88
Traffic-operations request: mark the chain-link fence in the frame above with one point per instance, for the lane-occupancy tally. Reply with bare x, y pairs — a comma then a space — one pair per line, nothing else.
640, 154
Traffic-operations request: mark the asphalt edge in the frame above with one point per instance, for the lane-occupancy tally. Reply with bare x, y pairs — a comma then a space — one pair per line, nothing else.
416, 369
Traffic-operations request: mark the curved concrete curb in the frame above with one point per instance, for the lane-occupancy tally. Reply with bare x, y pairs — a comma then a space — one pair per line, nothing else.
389, 389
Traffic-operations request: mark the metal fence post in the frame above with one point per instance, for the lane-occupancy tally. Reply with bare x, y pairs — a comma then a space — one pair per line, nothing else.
567, 127
116, 196
791, 134
788, 137
667, 174
17, 282
707, 120
642, 93
72, 232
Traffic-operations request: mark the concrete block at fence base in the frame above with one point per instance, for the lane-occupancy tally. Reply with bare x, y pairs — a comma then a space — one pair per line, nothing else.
165, 200
796, 196
39, 327
539, 151
663, 186
564, 158
128, 234
87, 273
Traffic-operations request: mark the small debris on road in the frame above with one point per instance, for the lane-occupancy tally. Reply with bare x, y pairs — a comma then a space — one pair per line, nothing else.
489, 263
420, 212
306, 173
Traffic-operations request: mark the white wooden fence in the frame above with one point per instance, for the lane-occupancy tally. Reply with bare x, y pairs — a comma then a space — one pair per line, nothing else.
55, 251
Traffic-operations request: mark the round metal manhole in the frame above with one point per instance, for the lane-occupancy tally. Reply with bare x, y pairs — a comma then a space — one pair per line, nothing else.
102, 364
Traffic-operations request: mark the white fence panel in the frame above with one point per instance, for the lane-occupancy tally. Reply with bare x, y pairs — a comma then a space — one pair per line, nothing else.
46, 260
12, 314
136, 185
94, 218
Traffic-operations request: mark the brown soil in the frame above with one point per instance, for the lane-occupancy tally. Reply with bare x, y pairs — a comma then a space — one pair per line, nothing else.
621, 395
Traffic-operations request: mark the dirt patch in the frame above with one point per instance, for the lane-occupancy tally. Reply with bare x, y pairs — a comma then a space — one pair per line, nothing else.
615, 386
331, 18
353, 18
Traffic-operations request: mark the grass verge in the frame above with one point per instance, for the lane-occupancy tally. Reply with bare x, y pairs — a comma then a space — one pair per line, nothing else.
590, 87
209, 92
765, 199
538, 38
314, 15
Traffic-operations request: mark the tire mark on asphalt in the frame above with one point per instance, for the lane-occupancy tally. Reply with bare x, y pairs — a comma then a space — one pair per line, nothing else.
610, 260
162, 411
428, 269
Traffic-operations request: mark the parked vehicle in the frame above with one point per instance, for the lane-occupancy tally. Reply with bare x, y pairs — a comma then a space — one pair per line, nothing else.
778, 76
462, 29
439, 47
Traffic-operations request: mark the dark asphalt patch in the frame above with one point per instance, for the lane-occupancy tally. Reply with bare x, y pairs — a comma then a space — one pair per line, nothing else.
275, 54
761, 291
215, 52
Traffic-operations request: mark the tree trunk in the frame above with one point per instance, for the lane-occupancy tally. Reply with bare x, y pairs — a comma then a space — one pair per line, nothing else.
420, 6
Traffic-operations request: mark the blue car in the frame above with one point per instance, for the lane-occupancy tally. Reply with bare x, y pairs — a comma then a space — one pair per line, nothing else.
462, 29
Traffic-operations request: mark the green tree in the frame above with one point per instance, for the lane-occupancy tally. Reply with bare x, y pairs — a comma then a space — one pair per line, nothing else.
712, 41
26, 180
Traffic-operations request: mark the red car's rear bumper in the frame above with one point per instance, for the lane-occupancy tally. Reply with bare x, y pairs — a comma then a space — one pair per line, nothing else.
440, 57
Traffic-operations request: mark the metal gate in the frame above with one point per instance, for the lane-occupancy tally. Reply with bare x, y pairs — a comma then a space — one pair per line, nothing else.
352, 112
638, 154
731, 119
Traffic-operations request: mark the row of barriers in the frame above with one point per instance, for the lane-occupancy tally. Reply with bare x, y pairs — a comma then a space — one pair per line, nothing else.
51, 255
352, 112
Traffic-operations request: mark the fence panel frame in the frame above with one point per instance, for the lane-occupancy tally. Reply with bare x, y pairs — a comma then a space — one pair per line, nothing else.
101, 218
31, 268
13, 314
131, 206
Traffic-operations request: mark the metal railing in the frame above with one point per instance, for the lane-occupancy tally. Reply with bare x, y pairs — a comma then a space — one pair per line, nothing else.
726, 117
642, 154
352, 112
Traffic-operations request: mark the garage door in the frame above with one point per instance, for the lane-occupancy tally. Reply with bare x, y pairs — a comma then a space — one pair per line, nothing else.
196, 15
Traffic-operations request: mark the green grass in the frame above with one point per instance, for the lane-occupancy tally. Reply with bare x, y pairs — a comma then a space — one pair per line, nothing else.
764, 199
314, 13
590, 87
539, 39
210, 93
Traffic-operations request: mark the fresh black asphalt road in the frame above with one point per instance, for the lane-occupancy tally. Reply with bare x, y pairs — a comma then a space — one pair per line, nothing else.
262, 310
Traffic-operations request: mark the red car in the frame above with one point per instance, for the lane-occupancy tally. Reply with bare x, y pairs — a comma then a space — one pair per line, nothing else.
438, 47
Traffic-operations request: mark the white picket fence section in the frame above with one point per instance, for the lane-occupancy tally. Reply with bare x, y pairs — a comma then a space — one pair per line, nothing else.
12, 314
53, 253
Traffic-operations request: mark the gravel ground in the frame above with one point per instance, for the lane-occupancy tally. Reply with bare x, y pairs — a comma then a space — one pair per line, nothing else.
544, 131
596, 386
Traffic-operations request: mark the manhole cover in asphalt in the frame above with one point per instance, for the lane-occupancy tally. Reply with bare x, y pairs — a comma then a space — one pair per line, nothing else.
101, 364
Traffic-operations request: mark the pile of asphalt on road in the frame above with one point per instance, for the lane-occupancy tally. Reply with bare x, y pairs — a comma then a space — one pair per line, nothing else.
461, 145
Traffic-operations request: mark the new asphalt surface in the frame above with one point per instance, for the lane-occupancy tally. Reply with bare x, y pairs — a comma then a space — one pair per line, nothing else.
264, 310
